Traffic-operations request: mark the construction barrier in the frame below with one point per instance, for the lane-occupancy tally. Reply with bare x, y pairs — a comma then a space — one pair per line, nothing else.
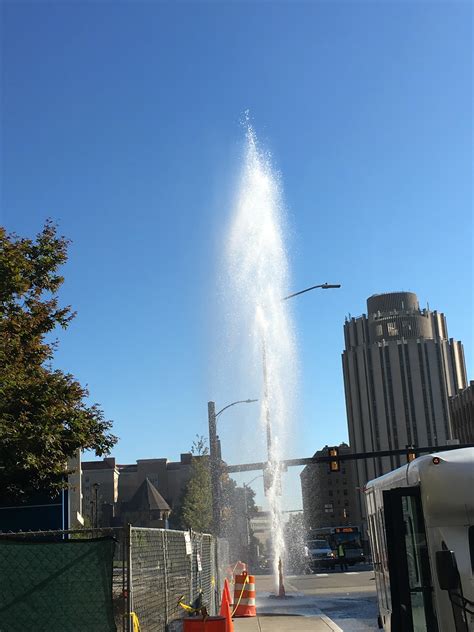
115, 586
201, 624
244, 596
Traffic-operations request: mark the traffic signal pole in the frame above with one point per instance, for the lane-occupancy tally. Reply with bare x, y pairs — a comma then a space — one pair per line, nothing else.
249, 467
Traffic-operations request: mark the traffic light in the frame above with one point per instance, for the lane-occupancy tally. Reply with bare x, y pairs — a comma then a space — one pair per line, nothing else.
334, 464
411, 453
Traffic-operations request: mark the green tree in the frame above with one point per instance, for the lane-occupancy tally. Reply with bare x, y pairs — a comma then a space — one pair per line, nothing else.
195, 510
238, 510
44, 419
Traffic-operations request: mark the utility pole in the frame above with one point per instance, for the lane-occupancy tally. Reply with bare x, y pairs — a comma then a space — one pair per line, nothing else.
95, 487
215, 465
215, 459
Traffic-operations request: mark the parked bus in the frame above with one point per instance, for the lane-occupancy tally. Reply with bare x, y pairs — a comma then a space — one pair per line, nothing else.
348, 536
421, 529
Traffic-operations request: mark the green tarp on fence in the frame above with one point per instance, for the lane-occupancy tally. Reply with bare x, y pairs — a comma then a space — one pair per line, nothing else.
61, 586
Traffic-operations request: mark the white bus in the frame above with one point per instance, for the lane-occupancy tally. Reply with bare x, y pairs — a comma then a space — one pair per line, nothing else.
421, 529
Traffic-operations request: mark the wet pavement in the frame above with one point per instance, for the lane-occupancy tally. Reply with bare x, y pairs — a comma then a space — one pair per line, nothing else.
322, 601
353, 612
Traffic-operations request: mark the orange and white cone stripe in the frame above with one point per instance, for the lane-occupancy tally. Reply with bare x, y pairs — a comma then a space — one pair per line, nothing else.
244, 596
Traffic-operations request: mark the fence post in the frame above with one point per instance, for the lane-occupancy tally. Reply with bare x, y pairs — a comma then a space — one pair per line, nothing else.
165, 561
216, 574
124, 556
191, 557
129, 577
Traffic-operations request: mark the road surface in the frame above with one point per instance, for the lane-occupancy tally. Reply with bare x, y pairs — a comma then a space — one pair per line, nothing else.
346, 598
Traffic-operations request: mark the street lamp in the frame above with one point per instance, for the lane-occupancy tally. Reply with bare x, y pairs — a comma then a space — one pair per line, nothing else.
240, 401
323, 286
214, 457
271, 470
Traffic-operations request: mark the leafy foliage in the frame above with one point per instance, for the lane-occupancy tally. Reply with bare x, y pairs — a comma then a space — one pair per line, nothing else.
43, 417
238, 510
195, 511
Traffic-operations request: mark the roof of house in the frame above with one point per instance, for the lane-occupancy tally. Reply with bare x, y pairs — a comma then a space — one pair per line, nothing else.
96, 465
147, 497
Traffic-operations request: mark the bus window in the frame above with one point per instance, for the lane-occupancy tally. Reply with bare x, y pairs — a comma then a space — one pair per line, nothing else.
410, 576
375, 544
419, 575
383, 543
471, 546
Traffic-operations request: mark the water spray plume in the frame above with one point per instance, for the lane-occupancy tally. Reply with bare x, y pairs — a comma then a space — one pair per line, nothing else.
258, 280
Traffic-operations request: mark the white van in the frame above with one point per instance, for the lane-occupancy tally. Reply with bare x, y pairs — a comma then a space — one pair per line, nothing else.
320, 554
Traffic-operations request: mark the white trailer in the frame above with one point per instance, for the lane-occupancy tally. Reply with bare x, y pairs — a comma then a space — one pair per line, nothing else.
421, 529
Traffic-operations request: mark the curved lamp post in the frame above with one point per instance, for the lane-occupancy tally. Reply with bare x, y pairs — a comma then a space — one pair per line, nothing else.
215, 459
322, 286
273, 470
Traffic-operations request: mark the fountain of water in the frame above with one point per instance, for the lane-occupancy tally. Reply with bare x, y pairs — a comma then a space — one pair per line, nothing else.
258, 280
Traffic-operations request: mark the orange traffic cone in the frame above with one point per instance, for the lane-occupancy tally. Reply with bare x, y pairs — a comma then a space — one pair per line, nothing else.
226, 612
227, 591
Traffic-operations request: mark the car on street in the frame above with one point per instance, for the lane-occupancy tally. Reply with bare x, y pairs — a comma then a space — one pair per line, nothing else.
320, 554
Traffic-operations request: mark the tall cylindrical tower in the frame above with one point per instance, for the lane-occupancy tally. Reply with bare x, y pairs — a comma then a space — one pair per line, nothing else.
400, 368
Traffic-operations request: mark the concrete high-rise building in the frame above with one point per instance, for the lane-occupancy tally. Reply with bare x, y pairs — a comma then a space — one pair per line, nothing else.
330, 499
400, 369
461, 408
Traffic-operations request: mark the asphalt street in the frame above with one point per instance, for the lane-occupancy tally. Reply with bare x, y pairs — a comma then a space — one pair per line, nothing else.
346, 598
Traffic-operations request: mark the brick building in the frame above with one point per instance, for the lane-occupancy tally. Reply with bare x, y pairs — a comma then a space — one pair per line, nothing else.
108, 488
329, 498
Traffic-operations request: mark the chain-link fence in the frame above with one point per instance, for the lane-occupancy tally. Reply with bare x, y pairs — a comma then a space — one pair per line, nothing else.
150, 571
172, 566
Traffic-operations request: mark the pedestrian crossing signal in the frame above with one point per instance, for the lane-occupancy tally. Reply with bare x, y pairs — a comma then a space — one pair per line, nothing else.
334, 464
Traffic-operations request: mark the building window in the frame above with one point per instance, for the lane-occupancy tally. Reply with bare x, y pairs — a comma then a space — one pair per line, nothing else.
392, 329
378, 330
345, 492
330, 492
471, 546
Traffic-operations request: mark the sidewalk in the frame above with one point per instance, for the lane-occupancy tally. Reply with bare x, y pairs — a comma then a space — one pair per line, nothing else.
297, 613
286, 623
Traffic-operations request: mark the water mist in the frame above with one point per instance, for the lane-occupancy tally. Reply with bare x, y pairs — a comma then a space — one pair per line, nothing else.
258, 280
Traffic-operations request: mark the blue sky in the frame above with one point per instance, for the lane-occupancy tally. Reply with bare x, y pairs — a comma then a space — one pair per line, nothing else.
121, 121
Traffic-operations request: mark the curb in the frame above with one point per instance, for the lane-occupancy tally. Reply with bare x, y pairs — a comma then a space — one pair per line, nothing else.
329, 622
